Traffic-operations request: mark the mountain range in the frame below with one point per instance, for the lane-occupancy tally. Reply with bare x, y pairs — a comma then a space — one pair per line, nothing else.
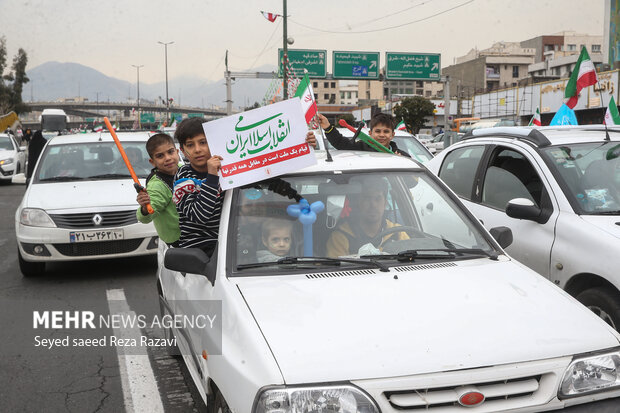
53, 80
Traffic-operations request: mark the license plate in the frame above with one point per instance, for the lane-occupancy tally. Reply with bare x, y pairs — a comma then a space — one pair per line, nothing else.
91, 236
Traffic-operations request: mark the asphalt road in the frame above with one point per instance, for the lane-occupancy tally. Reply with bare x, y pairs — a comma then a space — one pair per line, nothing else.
37, 379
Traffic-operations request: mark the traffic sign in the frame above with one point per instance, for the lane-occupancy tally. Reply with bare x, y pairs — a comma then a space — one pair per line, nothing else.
314, 61
146, 117
355, 65
415, 66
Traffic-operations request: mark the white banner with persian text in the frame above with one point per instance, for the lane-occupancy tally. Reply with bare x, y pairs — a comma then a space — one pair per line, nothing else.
260, 143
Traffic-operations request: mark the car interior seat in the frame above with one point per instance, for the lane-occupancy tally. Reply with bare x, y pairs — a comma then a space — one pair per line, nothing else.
526, 173
500, 186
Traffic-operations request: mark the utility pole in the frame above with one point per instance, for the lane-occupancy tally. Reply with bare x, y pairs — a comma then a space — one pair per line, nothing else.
138, 98
284, 53
228, 87
166, 63
446, 108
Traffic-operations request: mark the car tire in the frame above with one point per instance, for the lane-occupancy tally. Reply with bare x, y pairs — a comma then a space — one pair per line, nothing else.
603, 303
30, 269
220, 405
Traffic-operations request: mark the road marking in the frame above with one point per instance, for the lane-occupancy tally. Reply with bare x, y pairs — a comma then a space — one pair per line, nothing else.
140, 390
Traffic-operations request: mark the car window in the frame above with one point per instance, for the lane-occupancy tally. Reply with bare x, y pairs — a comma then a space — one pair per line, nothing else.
265, 228
510, 175
459, 168
6, 144
414, 148
91, 161
590, 173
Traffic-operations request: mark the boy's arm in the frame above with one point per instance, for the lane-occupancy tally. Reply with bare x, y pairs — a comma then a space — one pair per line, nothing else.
340, 142
194, 203
142, 214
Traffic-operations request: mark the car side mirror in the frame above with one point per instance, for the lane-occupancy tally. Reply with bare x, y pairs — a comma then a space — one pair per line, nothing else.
192, 260
19, 178
23, 148
503, 236
523, 208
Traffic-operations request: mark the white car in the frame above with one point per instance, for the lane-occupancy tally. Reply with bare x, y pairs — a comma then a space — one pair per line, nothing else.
558, 189
438, 320
12, 157
80, 203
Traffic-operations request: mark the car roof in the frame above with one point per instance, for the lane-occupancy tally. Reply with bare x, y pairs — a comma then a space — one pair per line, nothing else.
359, 160
96, 137
542, 136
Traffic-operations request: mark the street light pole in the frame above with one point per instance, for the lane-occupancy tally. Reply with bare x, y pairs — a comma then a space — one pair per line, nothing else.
166, 60
284, 53
138, 98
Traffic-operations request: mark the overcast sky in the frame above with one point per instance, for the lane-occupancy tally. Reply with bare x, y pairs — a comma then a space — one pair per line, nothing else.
111, 35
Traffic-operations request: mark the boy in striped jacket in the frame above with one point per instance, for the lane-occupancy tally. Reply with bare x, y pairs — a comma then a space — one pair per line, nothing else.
197, 193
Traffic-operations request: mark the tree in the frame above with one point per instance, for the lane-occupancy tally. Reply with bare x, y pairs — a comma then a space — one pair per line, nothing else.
256, 105
12, 83
413, 112
349, 118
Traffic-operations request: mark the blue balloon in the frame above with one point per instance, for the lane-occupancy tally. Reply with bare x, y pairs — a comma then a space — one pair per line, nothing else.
306, 213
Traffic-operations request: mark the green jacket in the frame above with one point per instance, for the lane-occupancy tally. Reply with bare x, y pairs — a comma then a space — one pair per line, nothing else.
165, 217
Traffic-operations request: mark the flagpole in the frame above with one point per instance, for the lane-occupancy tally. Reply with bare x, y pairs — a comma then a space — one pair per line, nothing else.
328, 157
284, 54
600, 92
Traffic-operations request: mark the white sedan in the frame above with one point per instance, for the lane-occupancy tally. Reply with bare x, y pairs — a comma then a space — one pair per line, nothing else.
80, 203
12, 157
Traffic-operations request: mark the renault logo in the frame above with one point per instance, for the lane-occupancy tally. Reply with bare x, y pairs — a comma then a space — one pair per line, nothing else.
97, 219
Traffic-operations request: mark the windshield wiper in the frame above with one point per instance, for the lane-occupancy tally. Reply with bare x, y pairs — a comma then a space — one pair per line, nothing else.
315, 260
105, 176
411, 255
61, 178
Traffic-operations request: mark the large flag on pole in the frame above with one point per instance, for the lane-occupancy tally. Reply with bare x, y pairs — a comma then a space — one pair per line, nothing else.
583, 75
401, 126
306, 95
612, 117
535, 121
270, 16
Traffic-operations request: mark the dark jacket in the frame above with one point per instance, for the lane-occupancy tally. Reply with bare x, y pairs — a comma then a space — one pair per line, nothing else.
34, 151
340, 142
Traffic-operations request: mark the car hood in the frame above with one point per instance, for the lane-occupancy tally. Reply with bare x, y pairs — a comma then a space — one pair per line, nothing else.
477, 313
81, 194
608, 223
7, 154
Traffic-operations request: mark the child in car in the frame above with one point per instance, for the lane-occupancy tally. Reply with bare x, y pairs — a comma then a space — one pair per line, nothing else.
277, 238
164, 157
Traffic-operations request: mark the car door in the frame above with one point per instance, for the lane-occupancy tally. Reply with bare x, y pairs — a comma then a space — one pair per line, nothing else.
510, 172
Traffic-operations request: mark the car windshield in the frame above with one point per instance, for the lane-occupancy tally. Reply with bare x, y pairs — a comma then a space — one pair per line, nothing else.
6, 144
375, 216
413, 148
590, 173
93, 160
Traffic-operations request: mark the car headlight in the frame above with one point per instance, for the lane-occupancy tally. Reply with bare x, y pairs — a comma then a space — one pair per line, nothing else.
591, 374
337, 398
35, 217
6, 161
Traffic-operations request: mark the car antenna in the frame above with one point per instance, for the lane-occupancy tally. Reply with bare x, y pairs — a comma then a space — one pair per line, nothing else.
607, 138
328, 157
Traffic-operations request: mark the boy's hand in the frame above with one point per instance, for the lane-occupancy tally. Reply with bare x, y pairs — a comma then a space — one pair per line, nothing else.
323, 121
143, 199
311, 139
214, 164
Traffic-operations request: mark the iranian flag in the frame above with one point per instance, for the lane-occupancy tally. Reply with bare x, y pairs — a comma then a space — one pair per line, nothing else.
584, 75
305, 94
98, 128
270, 16
535, 121
401, 126
612, 117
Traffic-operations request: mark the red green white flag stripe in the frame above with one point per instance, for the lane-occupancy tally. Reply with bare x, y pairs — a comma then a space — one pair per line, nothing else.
584, 75
612, 117
305, 94
270, 16
535, 121
401, 126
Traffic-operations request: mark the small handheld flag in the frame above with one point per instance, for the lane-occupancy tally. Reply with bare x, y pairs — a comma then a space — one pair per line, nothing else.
270, 16
535, 121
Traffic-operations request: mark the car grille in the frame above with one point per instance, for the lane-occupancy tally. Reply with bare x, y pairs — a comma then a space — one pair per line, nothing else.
445, 399
82, 249
85, 220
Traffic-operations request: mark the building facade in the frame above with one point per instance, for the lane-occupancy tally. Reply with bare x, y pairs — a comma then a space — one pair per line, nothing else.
326, 91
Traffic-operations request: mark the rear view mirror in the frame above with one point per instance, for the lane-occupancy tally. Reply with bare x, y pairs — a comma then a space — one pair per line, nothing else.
188, 260
522, 208
503, 236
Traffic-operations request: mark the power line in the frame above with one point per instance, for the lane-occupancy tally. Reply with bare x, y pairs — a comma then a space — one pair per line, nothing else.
395, 13
385, 28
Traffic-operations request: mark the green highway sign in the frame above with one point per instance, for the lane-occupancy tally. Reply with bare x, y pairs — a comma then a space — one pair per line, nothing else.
415, 66
146, 117
355, 65
314, 61
195, 115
